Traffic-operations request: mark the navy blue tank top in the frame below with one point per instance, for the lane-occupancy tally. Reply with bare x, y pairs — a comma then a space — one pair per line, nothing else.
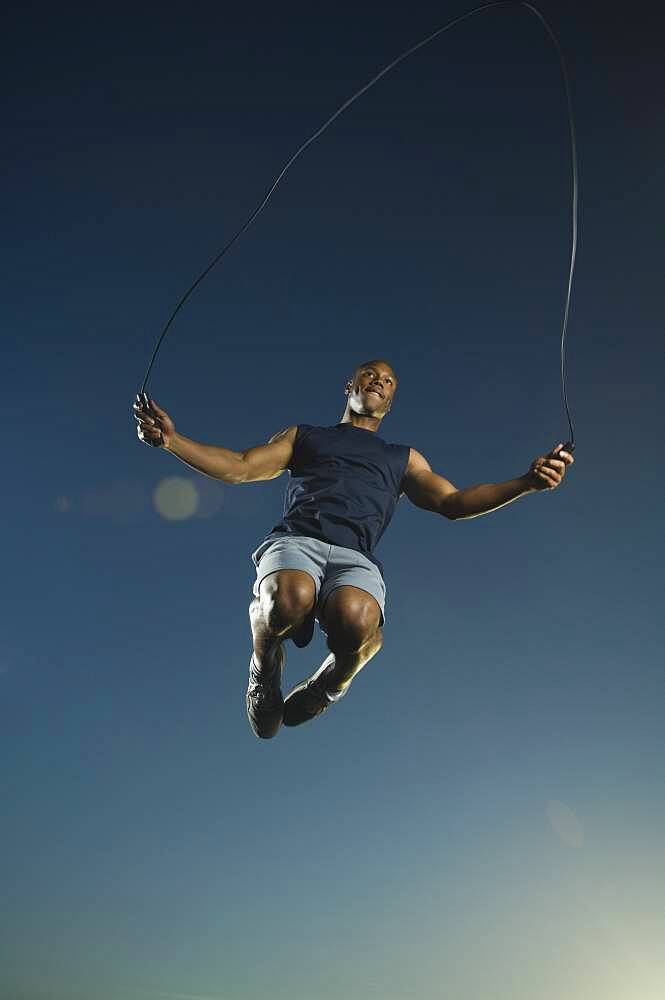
344, 484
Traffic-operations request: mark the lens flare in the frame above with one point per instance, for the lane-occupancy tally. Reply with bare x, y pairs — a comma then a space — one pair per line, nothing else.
176, 498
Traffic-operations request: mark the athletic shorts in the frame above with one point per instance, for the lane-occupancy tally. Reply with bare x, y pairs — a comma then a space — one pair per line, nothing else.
330, 566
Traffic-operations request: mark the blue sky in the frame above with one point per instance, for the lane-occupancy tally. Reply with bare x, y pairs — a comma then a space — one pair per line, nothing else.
484, 813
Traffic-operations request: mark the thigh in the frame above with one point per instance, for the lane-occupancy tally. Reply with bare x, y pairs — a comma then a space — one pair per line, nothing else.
350, 571
293, 588
289, 564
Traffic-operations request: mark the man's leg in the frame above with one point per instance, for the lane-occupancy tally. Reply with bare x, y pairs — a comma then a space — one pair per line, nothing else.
285, 599
350, 619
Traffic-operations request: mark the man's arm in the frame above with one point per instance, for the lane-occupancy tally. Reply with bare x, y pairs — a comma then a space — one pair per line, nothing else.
430, 491
425, 488
265, 461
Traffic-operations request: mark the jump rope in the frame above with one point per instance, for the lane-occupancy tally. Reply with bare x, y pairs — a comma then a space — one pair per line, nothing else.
569, 446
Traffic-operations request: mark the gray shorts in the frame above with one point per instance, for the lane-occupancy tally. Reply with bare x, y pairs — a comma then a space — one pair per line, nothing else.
330, 566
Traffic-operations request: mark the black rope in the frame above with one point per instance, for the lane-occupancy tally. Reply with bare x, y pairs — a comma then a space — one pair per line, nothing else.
570, 445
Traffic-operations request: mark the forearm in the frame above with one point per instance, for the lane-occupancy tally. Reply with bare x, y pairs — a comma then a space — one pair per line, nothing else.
482, 499
211, 460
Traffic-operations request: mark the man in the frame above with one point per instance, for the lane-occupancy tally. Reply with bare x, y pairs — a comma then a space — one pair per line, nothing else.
318, 561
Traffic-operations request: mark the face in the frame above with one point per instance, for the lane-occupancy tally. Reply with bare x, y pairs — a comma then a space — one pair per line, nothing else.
372, 389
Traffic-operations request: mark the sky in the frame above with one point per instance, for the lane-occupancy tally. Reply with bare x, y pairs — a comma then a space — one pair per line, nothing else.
484, 814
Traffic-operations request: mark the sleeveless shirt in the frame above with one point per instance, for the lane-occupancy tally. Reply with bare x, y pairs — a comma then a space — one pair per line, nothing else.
344, 485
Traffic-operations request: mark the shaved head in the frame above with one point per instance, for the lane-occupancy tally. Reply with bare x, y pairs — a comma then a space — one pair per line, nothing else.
375, 362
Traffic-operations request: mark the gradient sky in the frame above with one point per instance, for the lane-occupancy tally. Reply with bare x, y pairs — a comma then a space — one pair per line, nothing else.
484, 815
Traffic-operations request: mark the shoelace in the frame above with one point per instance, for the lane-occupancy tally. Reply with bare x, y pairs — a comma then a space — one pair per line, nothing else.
260, 686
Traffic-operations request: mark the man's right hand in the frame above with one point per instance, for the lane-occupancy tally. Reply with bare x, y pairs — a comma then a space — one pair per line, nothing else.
158, 431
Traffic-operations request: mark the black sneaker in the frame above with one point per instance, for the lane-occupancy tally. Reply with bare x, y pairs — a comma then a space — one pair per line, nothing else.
265, 704
310, 698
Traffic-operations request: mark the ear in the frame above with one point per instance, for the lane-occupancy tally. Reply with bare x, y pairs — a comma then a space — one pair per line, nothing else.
349, 387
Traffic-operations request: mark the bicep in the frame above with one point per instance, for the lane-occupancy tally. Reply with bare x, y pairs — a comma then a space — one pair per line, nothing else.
267, 461
424, 487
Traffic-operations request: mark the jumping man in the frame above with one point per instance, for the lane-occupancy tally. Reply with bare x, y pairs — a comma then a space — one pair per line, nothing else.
317, 563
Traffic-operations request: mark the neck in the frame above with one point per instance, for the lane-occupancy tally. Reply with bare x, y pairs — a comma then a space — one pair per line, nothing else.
362, 420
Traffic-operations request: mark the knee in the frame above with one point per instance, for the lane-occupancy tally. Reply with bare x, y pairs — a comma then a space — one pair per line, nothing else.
283, 603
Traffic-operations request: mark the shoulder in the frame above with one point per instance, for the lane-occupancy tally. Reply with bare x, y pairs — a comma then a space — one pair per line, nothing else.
417, 463
287, 435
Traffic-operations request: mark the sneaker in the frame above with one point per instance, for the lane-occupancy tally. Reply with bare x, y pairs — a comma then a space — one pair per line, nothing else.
265, 704
311, 698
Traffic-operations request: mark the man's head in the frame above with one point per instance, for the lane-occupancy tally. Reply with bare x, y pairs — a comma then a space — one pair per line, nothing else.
370, 392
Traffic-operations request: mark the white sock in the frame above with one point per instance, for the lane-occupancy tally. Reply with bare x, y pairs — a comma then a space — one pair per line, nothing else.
336, 695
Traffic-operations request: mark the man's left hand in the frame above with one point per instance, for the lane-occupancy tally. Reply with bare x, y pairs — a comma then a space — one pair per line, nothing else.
547, 471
